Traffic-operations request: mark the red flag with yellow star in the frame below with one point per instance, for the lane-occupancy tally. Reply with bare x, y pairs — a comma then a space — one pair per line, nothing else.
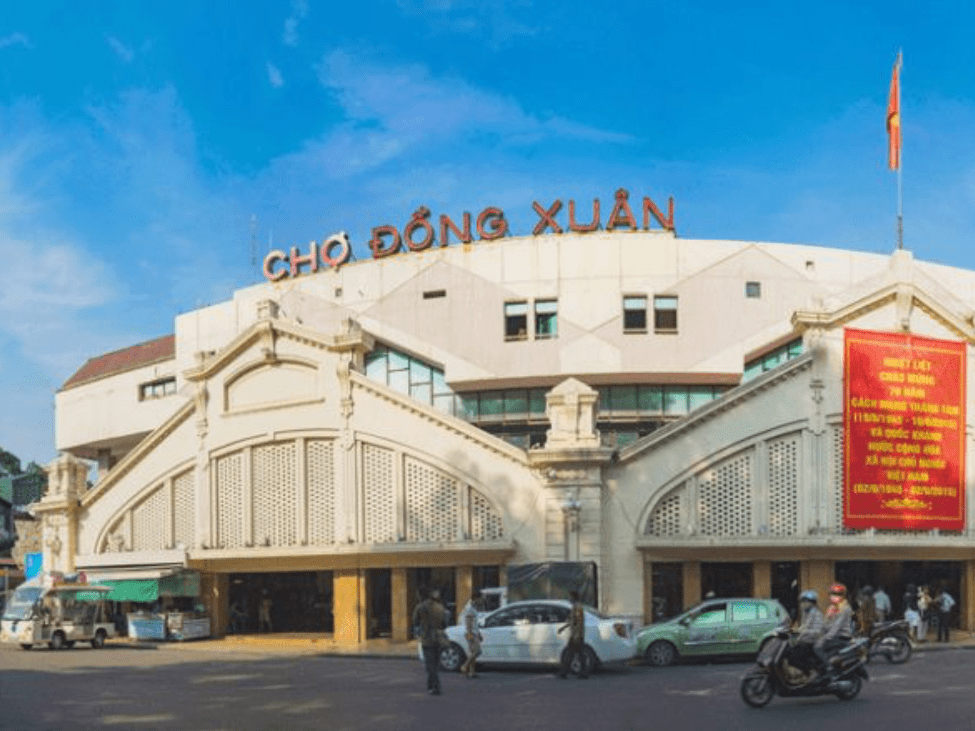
894, 119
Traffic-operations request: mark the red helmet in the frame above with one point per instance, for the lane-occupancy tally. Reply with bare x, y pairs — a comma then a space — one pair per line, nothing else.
838, 590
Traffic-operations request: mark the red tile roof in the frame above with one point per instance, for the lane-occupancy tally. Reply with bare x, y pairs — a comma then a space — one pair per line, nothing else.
119, 361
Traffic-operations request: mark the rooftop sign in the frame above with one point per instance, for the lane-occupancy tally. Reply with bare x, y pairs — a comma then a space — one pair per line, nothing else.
490, 224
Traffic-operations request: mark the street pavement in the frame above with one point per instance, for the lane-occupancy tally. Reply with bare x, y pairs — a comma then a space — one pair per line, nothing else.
224, 686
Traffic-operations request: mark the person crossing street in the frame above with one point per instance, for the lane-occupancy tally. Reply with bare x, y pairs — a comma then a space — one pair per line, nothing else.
577, 639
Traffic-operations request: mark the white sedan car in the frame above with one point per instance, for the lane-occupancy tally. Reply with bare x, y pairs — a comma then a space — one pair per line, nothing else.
527, 632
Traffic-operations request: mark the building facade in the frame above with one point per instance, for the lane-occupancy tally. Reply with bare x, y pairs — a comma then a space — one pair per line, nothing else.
669, 410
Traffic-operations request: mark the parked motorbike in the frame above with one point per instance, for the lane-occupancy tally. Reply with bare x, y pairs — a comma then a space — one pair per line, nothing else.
892, 640
774, 674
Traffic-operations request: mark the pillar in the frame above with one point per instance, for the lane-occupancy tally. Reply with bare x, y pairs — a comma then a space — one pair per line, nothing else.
215, 595
762, 579
817, 575
966, 602
463, 587
692, 583
349, 606
401, 605
647, 591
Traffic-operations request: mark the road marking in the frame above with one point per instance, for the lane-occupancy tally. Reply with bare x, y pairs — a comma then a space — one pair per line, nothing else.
910, 692
706, 691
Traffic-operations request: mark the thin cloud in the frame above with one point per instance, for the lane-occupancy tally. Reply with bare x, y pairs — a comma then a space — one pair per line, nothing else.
299, 10
495, 22
121, 50
15, 39
274, 76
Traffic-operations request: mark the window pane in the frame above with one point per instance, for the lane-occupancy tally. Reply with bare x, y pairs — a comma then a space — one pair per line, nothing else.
635, 320
421, 392
665, 303
744, 612
698, 396
515, 308
516, 320
771, 360
546, 307
650, 398
536, 401
439, 382
419, 372
399, 381
468, 407
753, 290
398, 361
623, 438
516, 404
444, 403
491, 405
171, 386
795, 349
635, 303
622, 398
675, 400
376, 366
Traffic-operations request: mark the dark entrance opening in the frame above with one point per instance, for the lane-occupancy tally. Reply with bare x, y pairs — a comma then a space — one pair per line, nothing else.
442, 578
785, 585
666, 590
301, 601
379, 610
726, 580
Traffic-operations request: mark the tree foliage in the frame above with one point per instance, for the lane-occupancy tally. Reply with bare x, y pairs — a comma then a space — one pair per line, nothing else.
9, 462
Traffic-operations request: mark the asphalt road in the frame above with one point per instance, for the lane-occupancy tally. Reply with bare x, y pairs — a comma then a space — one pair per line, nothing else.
171, 688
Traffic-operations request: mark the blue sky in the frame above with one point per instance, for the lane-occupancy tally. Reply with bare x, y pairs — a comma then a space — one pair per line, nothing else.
138, 139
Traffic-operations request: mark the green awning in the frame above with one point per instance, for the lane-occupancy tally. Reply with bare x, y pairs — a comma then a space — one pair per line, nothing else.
148, 590
133, 590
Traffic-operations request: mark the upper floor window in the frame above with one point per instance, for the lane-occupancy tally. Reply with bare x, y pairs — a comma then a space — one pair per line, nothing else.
546, 318
753, 290
516, 320
157, 389
635, 314
769, 360
665, 314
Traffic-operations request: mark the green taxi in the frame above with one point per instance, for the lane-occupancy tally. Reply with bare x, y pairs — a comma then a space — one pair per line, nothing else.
716, 627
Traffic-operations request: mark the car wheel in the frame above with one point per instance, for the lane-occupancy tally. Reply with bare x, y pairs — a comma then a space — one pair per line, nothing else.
98, 641
452, 657
25, 645
57, 641
661, 653
589, 658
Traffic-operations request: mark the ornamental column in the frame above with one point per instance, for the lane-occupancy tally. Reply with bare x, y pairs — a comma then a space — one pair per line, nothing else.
67, 480
570, 467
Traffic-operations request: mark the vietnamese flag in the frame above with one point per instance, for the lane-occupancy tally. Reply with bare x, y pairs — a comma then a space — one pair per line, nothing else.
894, 119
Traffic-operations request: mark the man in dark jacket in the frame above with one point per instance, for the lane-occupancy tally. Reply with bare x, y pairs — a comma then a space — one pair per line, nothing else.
428, 620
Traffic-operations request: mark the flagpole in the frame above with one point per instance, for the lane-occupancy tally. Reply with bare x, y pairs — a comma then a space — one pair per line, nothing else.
900, 156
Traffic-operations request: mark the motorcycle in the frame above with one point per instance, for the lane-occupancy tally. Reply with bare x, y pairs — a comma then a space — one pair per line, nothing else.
891, 639
774, 674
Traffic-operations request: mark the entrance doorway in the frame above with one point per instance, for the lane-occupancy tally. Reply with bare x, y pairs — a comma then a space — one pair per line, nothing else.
666, 590
785, 585
379, 609
728, 580
301, 601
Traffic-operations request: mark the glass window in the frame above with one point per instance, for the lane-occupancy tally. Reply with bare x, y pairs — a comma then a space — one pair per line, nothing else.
675, 400
711, 614
421, 392
515, 320
635, 314
753, 290
444, 403
650, 399
752, 370
546, 318
399, 380
698, 396
398, 361
625, 438
665, 314
516, 404
763, 612
439, 382
468, 408
622, 398
419, 372
744, 612
536, 399
795, 348
491, 405
771, 360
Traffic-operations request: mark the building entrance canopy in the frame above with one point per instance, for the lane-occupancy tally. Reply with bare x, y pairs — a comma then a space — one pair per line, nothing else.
148, 586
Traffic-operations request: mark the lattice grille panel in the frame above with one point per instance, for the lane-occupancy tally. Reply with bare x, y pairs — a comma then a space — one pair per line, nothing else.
432, 501
486, 524
667, 518
320, 471
184, 499
379, 494
783, 486
275, 489
725, 498
836, 437
150, 522
230, 500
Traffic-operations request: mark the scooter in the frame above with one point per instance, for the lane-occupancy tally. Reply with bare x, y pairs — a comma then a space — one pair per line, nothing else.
774, 674
891, 639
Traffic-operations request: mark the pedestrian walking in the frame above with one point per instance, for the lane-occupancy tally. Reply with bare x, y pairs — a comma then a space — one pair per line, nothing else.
944, 602
472, 633
264, 613
428, 625
925, 608
882, 604
577, 639
911, 613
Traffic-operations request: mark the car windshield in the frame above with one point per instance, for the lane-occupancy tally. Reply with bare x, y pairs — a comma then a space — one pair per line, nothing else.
22, 603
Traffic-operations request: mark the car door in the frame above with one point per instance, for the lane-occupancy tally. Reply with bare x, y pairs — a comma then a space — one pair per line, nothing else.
749, 622
539, 637
499, 634
704, 629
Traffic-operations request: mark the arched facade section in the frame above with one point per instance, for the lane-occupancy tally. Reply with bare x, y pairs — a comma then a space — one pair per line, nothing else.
753, 492
158, 519
261, 384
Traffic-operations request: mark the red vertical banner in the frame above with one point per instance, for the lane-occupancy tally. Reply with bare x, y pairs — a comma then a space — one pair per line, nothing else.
904, 431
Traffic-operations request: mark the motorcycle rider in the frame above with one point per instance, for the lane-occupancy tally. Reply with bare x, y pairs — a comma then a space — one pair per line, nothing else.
837, 626
803, 654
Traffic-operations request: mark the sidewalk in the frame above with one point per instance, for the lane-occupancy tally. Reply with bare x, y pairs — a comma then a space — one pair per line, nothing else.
300, 643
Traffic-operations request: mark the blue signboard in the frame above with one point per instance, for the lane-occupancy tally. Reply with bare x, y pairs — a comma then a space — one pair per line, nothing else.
33, 564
